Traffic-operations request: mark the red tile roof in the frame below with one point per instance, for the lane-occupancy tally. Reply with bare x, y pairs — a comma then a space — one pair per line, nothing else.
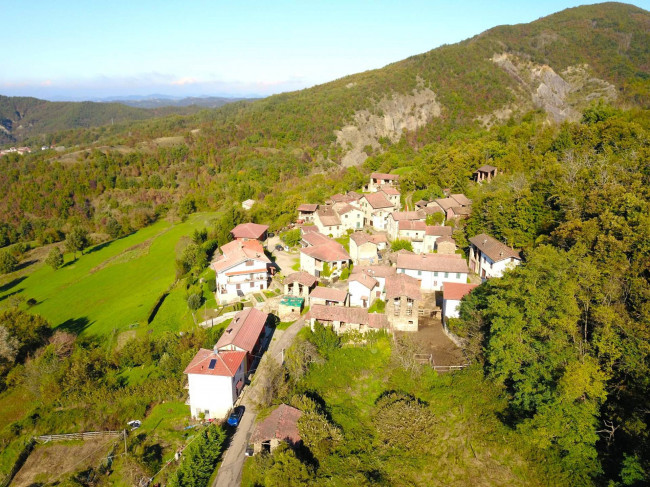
375, 270
328, 216
329, 294
403, 285
412, 225
346, 208
462, 199
432, 263
308, 208
389, 190
302, 277
359, 316
446, 203
399, 216
317, 238
226, 362
430, 210
455, 290
249, 230
439, 230
378, 200
365, 280
327, 252
238, 251
244, 330
494, 249
440, 240
306, 229
281, 424
387, 177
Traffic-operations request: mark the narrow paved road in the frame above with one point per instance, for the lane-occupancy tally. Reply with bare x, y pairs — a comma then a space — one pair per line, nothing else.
229, 474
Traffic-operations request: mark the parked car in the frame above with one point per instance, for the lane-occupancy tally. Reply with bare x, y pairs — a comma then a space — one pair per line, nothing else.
271, 235
134, 424
249, 451
286, 248
235, 416
279, 248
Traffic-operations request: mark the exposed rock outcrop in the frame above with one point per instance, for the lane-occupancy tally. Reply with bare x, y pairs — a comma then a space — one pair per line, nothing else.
390, 117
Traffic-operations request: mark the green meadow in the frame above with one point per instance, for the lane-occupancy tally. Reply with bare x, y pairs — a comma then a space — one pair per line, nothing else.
114, 286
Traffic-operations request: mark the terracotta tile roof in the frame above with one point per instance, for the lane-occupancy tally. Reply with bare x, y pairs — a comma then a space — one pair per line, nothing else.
345, 198
445, 239
446, 203
244, 330
400, 216
249, 230
316, 238
354, 196
439, 230
305, 229
432, 263
225, 363
237, 251
430, 210
494, 249
308, 208
360, 238
375, 270
328, 216
462, 199
486, 168
281, 424
302, 277
327, 252
346, 208
365, 280
378, 200
461, 210
403, 285
389, 190
412, 225
329, 294
455, 290
378, 238
384, 176
343, 314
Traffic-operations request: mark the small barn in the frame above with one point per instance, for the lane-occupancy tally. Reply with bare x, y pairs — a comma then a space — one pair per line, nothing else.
280, 425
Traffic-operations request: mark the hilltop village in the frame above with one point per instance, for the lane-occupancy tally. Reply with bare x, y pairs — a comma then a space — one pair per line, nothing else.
348, 277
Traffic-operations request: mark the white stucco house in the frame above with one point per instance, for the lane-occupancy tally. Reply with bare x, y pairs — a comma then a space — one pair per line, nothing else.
319, 250
215, 380
433, 270
365, 248
396, 217
242, 268
431, 235
352, 218
376, 208
452, 293
328, 222
490, 258
363, 290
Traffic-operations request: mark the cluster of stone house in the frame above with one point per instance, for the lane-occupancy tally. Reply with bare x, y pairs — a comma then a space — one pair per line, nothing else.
217, 376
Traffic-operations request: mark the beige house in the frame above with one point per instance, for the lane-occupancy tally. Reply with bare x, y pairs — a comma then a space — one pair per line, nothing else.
396, 217
344, 319
351, 217
306, 212
445, 245
279, 426
328, 222
328, 296
403, 299
378, 179
365, 248
376, 208
299, 284
433, 233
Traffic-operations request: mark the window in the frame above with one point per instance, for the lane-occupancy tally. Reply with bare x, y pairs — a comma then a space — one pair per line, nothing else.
249, 263
252, 284
458, 275
419, 273
238, 287
435, 274
446, 274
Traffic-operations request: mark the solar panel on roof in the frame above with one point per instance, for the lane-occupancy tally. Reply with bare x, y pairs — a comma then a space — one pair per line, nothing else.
213, 362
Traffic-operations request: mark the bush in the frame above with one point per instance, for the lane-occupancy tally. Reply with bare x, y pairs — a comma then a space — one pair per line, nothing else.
401, 245
54, 258
199, 459
8, 262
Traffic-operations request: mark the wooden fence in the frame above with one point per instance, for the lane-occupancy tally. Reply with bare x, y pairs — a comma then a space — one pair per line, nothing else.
87, 435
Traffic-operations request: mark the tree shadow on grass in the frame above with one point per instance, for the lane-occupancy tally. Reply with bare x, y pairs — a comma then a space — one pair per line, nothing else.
75, 325
6, 296
99, 247
25, 264
10, 284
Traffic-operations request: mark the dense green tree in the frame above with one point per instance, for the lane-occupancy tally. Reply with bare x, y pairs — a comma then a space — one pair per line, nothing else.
8, 262
54, 258
77, 240
401, 245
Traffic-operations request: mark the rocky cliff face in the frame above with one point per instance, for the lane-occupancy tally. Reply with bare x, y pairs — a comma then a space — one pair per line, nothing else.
390, 117
562, 96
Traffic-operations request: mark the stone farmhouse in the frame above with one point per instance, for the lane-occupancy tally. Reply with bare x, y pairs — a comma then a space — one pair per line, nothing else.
328, 296
403, 299
299, 284
306, 212
344, 319
279, 426
432, 233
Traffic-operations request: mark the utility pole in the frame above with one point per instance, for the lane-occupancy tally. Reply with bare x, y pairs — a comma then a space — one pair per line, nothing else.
125, 443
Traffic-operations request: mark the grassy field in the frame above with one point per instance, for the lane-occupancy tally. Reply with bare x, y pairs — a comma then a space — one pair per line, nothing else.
112, 287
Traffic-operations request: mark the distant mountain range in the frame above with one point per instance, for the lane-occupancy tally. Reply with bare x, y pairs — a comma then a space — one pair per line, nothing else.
160, 101
23, 117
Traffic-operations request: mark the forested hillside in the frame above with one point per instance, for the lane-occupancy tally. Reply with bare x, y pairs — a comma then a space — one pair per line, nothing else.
24, 117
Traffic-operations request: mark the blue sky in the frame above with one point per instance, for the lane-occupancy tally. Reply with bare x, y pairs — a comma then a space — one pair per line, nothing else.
92, 49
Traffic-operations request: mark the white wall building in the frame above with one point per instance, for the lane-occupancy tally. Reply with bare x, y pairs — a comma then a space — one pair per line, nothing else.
490, 258
363, 290
215, 380
433, 270
452, 293
242, 268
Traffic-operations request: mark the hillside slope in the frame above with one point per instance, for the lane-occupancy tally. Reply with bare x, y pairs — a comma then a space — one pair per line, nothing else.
22, 117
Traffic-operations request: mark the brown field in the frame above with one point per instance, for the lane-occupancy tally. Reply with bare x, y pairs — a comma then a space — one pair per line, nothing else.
51, 462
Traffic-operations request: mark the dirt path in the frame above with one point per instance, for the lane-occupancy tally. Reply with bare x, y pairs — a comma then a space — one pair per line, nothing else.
230, 471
